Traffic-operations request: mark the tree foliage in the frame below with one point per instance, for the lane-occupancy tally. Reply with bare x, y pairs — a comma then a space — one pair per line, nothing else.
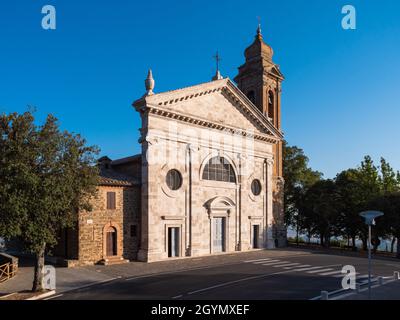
46, 177
298, 178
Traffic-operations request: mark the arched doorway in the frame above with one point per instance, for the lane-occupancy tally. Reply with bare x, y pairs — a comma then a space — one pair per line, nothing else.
219, 210
111, 242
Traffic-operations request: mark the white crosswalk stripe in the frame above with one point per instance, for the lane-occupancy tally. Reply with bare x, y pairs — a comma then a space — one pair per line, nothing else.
250, 261
261, 262
287, 265
310, 268
331, 273
274, 263
281, 264
319, 270
294, 267
298, 267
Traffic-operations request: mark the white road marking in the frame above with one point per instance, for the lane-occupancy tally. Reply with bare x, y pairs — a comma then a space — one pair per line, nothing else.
250, 261
261, 262
275, 263
307, 269
319, 270
287, 265
177, 297
331, 273
363, 276
301, 266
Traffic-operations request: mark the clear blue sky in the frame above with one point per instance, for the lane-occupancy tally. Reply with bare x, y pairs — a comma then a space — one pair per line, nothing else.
340, 98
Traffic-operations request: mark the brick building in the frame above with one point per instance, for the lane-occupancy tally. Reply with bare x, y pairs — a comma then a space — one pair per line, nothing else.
208, 179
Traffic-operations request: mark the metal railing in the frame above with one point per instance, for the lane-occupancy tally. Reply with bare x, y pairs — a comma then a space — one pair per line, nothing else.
7, 271
360, 287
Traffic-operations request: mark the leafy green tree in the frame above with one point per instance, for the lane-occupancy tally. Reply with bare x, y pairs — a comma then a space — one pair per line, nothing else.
350, 204
46, 177
369, 188
320, 209
298, 178
389, 181
390, 222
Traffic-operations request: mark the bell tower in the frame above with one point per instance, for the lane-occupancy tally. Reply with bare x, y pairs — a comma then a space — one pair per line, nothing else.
260, 80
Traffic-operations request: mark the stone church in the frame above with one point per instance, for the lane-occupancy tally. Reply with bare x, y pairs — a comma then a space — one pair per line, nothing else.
208, 179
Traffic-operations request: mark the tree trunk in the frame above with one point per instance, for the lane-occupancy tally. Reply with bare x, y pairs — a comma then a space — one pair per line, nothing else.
327, 240
39, 265
353, 243
364, 243
398, 248
322, 240
392, 244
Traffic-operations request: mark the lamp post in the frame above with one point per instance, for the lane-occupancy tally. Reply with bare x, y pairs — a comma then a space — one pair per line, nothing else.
370, 217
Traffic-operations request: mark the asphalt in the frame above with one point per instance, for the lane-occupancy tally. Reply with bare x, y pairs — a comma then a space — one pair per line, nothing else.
262, 275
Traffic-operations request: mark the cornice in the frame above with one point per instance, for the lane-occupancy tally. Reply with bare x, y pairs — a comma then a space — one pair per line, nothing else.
205, 123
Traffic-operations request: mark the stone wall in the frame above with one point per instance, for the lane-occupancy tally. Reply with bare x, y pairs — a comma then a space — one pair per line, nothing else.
93, 225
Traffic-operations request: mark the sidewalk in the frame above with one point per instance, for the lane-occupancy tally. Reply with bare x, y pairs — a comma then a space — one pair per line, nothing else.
388, 291
66, 278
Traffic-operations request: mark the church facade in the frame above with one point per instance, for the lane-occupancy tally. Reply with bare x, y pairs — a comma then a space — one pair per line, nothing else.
208, 179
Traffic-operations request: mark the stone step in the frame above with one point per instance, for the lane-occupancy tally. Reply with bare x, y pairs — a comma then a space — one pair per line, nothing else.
113, 260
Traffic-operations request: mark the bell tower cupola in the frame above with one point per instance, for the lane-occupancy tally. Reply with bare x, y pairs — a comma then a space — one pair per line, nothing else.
260, 79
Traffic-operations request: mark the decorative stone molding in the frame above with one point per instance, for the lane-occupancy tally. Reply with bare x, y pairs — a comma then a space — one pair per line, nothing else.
164, 187
270, 161
118, 230
198, 121
253, 197
172, 218
151, 140
256, 217
219, 206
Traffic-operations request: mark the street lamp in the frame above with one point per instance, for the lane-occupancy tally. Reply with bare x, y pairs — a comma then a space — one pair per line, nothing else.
370, 217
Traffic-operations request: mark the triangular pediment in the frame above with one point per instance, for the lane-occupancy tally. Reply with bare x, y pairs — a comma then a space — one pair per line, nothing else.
276, 72
216, 102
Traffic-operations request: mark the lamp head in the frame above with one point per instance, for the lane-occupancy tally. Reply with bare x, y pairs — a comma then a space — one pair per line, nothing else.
370, 216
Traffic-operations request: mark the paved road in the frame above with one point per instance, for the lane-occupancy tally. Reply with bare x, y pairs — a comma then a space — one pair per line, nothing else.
276, 275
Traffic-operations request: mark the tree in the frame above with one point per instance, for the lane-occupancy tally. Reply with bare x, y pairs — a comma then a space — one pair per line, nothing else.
46, 178
298, 178
320, 209
369, 187
390, 205
350, 204
389, 182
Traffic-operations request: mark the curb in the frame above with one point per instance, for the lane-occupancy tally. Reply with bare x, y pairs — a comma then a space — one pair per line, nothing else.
43, 295
7, 295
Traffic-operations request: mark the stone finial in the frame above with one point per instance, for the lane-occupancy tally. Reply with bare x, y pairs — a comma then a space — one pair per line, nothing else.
217, 76
259, 29
149, 83
259, 34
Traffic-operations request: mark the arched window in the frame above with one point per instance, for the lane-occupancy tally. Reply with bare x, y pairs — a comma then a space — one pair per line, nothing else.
219, 169
251, 96
271, 104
